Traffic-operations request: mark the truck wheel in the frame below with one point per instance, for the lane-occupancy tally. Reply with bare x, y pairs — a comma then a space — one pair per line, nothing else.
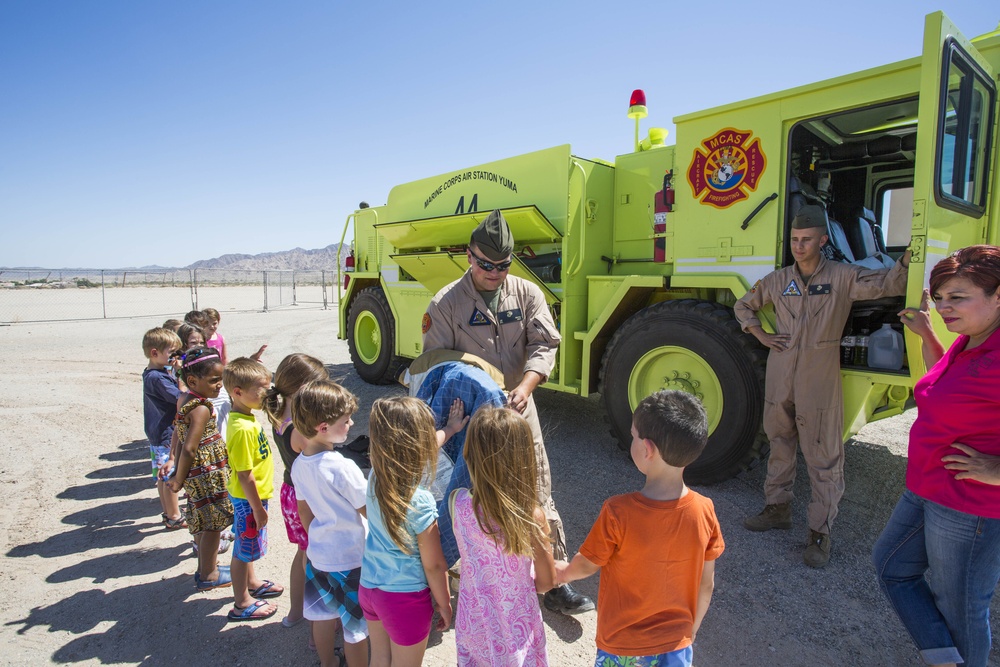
697, 347
371, 337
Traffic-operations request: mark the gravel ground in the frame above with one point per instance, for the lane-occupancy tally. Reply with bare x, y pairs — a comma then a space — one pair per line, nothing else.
94, 579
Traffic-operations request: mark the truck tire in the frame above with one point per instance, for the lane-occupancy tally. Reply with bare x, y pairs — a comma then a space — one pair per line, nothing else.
698, 347
371, 338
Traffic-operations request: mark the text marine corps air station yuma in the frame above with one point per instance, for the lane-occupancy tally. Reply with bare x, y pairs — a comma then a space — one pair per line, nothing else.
641, 259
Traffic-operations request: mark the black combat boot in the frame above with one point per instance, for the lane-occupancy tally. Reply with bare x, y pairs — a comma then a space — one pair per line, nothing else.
564, 600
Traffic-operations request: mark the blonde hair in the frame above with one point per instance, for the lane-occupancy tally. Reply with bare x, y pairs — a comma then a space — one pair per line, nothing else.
403, 451
243, 373
159, 339
294, 371
320, 401
500, 453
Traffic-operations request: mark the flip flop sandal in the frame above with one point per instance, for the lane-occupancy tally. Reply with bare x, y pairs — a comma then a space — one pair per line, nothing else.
249, 613
266, 591
224, 581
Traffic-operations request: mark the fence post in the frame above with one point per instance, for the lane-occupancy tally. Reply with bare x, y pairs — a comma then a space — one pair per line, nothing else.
192, 278
104, 301
265, 291
322, 284
294, 300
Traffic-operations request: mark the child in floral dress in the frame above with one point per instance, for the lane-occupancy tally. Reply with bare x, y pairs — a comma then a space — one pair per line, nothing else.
505, 544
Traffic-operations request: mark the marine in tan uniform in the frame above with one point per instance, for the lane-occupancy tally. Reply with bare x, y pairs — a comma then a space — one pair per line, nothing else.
803, 403
505, 321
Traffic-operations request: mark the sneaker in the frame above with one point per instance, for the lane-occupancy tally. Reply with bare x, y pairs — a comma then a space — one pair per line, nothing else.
817, 554
773, 516
223, 546
564, 600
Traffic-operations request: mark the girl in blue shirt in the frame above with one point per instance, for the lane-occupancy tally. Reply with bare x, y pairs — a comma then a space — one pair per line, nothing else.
403, 568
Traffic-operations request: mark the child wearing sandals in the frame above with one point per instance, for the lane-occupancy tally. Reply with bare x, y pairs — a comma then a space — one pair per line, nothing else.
404, 568
159, 405
250, 488
331, 494
294, 371
201, 464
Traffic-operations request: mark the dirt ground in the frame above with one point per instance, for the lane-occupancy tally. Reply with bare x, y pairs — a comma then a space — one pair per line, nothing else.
93, 578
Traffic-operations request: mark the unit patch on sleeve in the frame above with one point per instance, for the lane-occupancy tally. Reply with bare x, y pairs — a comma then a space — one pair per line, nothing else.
505, 316
819, 289
755, 286
425, 323
792, 289
478, 319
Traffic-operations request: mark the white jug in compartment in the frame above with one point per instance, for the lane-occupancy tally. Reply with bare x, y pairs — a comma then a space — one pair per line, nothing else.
885, 349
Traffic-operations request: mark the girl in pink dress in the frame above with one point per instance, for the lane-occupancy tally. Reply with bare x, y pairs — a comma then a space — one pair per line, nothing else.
505, 545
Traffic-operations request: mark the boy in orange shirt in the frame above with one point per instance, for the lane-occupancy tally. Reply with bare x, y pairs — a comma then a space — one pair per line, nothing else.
657, 547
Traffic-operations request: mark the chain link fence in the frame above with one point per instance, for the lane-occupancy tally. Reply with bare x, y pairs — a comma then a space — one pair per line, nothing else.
40, 295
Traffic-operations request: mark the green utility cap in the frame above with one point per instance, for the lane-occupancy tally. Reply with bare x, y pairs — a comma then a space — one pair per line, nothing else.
493, 237
809, 217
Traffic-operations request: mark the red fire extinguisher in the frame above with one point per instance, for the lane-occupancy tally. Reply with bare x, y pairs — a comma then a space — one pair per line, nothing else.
663, 204
348, 266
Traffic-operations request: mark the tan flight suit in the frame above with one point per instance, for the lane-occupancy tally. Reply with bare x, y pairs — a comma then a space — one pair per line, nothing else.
803, 403
522, 337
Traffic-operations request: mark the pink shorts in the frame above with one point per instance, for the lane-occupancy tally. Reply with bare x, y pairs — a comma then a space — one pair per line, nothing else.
406, 617
290, 512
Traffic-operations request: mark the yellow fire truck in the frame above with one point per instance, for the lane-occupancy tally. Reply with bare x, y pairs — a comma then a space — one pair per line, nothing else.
642, 258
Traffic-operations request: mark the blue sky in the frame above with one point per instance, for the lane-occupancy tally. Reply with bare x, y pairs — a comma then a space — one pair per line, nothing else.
152, 132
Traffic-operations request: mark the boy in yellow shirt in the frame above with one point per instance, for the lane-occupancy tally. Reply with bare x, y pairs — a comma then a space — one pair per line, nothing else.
250, 487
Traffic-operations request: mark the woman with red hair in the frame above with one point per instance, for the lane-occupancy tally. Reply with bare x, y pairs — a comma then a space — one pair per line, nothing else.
948, 519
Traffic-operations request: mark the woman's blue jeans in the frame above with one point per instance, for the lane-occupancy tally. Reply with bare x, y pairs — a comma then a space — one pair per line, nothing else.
949, 615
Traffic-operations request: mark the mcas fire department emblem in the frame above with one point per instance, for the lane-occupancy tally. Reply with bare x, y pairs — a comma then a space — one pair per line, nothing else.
729, 166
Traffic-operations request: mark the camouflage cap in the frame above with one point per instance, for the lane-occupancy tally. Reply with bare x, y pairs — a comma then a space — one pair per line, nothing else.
493, 238
809, 217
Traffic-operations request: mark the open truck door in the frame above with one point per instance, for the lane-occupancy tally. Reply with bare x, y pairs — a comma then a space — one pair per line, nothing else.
957, 114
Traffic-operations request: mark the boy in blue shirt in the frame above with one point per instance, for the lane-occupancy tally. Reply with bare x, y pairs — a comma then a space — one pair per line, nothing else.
159, 405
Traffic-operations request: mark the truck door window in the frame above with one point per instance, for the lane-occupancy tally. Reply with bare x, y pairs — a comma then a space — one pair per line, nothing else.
964, 133
896, 216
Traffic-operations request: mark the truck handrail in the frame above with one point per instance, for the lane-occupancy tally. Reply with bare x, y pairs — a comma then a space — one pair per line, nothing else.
577, 263
340, 248
753, 213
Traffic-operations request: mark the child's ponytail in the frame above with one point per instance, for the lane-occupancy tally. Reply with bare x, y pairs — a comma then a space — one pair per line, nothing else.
292, 373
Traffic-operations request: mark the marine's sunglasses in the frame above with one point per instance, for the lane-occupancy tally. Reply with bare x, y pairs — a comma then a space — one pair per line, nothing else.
489, 266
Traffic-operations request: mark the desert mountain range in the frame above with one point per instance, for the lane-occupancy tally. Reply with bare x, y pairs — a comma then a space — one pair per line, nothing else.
298, 259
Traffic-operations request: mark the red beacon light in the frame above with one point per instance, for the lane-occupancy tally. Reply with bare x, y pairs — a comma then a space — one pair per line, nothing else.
637, 110
637, 105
